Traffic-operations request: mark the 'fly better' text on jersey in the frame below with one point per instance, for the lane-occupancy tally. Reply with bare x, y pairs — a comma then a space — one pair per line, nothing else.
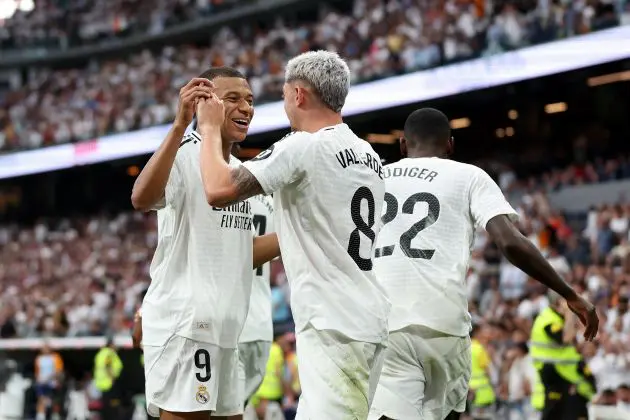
236, 216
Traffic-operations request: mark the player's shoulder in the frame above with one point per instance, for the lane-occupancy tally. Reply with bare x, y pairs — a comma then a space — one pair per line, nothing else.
292, 139
191, 137
189, 146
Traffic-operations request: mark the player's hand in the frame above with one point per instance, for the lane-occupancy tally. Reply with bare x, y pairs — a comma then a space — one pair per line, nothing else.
198, 88
210, 112
587, 314
136, 335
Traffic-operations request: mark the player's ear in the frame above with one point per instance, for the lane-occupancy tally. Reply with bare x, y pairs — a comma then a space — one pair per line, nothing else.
403, 147
450, 148
300, 95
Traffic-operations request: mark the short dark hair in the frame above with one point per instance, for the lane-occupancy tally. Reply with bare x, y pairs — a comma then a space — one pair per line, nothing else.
223, 71
427, 127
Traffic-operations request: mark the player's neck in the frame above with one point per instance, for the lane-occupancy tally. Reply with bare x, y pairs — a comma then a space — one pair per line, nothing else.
316, 120
227, 151
416, 154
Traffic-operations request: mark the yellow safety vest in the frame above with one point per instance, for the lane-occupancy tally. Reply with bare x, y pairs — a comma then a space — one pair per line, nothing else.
479, 381
565, 358
538, 393
107, 367
271, 387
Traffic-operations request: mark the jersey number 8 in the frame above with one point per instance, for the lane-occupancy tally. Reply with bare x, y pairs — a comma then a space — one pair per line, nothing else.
354, 244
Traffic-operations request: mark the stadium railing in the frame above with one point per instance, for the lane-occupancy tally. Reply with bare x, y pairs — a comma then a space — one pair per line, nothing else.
527, 63
62, 343
605, 412
581, 197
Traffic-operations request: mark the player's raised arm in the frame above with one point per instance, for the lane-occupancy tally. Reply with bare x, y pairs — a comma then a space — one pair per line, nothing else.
223, 185
149, 188
266, 248
523, 254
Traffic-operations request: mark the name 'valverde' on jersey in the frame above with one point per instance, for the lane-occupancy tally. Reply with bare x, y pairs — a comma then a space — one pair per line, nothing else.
328, 188
201, 273
432, 209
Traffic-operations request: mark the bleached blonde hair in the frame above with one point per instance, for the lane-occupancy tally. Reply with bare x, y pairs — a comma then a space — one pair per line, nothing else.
326, 72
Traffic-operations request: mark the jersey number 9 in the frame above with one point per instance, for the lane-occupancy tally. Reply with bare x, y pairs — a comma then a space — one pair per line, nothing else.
202, 362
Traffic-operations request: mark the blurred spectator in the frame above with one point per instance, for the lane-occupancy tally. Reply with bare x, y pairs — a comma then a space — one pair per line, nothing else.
63, 24
623, 398
49, 378
281, 312
521, 378
379, 39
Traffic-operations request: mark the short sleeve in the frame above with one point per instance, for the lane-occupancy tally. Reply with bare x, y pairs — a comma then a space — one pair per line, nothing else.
281, 164
487, 200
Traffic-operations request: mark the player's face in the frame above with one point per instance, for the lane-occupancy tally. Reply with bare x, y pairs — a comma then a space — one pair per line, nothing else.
239, 106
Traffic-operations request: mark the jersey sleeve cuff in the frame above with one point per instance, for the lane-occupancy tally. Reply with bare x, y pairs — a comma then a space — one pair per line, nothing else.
258, 174
511, 214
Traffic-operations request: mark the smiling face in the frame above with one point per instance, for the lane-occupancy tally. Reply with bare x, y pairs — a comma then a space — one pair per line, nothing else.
239, 107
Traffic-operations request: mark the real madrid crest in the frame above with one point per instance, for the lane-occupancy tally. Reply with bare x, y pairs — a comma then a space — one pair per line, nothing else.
202, 396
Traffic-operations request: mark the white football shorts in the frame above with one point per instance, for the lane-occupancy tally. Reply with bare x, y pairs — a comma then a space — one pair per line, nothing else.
252, 366
189, 376
425, 375
338, 375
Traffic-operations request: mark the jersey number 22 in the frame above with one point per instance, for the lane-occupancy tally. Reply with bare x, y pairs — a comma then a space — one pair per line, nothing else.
405, 239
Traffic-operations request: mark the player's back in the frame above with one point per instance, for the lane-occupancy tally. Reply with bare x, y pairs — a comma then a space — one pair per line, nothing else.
432, 207
329, 217
201, 272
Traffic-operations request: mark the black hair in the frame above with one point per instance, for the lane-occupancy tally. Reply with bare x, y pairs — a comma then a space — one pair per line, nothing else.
427, 127
214, 72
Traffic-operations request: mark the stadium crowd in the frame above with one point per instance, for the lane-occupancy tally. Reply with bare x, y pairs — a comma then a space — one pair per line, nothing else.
379, 39
63, 24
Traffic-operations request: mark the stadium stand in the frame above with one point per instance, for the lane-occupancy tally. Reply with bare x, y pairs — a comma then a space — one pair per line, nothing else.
379, 39
57, 24
80, 277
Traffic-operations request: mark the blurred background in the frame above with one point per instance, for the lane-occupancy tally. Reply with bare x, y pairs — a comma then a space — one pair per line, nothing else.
538, 96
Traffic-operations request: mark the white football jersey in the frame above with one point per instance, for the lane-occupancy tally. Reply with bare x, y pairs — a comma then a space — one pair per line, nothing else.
328, 193
432, 208
201, 273
258, 324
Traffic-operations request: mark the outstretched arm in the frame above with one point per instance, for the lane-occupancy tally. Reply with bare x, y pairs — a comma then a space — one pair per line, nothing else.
523, 254
266, 248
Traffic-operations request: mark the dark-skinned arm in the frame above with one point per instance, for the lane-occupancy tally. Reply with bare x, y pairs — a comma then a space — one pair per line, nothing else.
149, 187
266, 248
523, 254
